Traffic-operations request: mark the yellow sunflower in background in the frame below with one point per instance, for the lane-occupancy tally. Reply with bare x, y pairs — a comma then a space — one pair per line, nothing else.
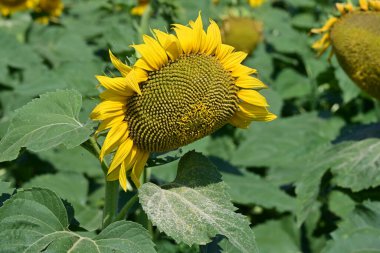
355, 40
140, 8
48, 10
10, 6
184, 87
255, 3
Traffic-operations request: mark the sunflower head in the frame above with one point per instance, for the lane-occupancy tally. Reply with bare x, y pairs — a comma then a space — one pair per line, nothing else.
355, 40
140, 8
255, 3
243, 33
182, 88
48, 10
9, 6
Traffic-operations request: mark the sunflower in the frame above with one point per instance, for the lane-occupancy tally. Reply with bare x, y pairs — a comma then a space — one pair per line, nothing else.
9, 6
140, 8
48, 10
184, 87
355, 40
255, 3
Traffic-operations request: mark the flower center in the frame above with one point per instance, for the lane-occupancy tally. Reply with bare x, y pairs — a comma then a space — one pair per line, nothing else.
356, 42
183, 101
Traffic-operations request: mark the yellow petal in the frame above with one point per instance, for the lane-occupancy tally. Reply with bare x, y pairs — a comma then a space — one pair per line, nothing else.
139, 167
170, 43
184, 35
198, 36
109, 123
223, 51
253, 112
116, 84
153, 51
242, 70
232, 60
363, 5
237, 121
111, 95
249, 82
108, 109
120, 155
123, 68
329, 23
123, 177
252, 97
213, 38
115, 136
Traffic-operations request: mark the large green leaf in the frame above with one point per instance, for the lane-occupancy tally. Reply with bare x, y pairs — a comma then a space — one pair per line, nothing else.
36, 221
14, 53
44, 123
355, 165
360, 232
249, 189
285, 145
196, 207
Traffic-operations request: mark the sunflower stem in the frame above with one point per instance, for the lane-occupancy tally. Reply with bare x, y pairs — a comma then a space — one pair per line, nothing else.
377, 108
123, 212
110, 202
92, 146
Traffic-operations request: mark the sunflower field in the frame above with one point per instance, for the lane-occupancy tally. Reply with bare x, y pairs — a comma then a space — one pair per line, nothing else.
177, 126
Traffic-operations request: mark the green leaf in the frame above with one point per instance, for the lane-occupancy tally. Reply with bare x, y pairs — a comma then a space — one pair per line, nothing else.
44, 123
72, 187
249, 189
349, 88
278, 236
72, 160
36, 221
196, 206
305, 135
355, 165
14, 53
360, 232
290, 84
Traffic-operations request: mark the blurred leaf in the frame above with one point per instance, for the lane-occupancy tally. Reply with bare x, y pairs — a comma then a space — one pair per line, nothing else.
249, 189
72, 187
278, 236
355, 165
282, 139
290, 84
44, 123
36, 220
349, 88
196, 206
14, 53
72, 160
341, 204
360, 232
58, 45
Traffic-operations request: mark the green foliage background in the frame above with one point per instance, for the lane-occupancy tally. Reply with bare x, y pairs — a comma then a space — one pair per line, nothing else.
308, 181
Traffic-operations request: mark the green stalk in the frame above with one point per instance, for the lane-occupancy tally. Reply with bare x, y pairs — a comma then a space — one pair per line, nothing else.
110, 202
123, 212
112, 187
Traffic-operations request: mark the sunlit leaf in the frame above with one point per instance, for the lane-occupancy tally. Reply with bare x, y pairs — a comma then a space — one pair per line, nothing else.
36, 220
44, 123
196, 207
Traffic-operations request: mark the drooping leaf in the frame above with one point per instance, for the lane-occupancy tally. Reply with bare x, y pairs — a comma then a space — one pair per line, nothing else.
44, 123
196, 207
249, 189
36, 220
355, 165
291, 141
360, 232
